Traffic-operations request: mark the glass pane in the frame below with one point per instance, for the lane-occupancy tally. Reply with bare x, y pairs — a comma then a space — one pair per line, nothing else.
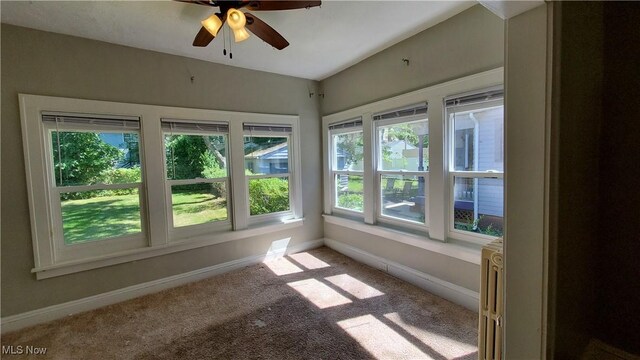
100, 214
478, 205
349, 192
404, 146
269, 195
85, 158
403, 197
266, 155
198, 203
480, 129
196, 156
347, 151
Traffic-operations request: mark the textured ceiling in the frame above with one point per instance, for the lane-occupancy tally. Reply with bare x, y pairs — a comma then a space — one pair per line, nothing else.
323, 40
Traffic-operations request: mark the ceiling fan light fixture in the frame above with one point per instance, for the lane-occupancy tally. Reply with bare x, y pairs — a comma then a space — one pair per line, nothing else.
237, 21
241, 34
212, 24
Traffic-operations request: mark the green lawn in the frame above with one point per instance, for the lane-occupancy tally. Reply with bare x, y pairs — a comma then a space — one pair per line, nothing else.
111, 216
100, 218
196, 207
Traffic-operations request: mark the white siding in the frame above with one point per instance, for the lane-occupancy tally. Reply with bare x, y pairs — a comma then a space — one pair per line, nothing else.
490, 157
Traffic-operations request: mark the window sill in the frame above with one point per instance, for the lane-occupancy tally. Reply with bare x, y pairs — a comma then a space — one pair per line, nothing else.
468, 253
70, 267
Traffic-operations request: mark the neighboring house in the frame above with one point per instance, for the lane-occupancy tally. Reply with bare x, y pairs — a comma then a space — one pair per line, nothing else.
488, 125
119, 140
272, 160
402, 156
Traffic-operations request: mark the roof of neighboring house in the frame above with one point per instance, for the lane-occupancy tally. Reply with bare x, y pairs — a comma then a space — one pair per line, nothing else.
279, 151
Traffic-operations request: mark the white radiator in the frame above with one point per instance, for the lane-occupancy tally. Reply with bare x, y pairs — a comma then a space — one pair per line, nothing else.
491, 303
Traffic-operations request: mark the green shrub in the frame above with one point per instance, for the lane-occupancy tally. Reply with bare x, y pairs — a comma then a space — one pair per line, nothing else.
121, 176
351, 201
213, 170
268, 195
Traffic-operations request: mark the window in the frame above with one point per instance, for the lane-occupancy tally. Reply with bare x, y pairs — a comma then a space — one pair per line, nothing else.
268, 169
476, 162
402, 165
95, 184
425, 164
106, 189
197, 173
347, 166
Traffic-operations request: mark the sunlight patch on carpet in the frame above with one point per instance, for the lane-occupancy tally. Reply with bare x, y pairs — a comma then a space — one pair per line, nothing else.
441, 343
282, 266
354, 286
318, 293
309, 261
379, 339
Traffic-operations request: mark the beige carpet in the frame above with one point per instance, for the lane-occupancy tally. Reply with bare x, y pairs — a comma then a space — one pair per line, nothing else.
314, 305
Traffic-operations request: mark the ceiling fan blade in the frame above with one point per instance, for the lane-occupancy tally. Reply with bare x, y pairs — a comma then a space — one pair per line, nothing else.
206, 3
265, 32
203, 38
265, 5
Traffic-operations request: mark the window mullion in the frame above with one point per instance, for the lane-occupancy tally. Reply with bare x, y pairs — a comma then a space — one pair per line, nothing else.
240, 191
369, 182
154, 175
437, 176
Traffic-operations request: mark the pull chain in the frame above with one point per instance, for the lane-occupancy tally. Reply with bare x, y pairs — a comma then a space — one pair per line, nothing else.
224, 38
230, 53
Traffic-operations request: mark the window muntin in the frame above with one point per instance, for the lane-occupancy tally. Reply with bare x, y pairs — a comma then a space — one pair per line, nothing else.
402, 165
197, 172
268, 170
347, 164
96, 179
477, 165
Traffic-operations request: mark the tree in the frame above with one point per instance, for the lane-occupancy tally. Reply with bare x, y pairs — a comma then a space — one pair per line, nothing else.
189, 156
350, 146
82, 158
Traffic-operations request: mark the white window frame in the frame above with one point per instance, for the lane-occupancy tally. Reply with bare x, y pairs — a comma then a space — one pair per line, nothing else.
438, 180
479, 174
335, 172
92, 247
176, 233
378, 173
158, 239
293, 188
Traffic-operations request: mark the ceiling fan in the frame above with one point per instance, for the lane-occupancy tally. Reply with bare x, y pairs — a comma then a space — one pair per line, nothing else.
240, 22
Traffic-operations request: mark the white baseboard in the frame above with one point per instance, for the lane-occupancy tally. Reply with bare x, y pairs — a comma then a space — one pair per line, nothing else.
452, 292
19, 321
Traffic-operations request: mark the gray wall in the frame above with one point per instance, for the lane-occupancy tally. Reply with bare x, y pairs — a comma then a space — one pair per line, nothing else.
468, 43
525, 133
42, 63
444, 267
